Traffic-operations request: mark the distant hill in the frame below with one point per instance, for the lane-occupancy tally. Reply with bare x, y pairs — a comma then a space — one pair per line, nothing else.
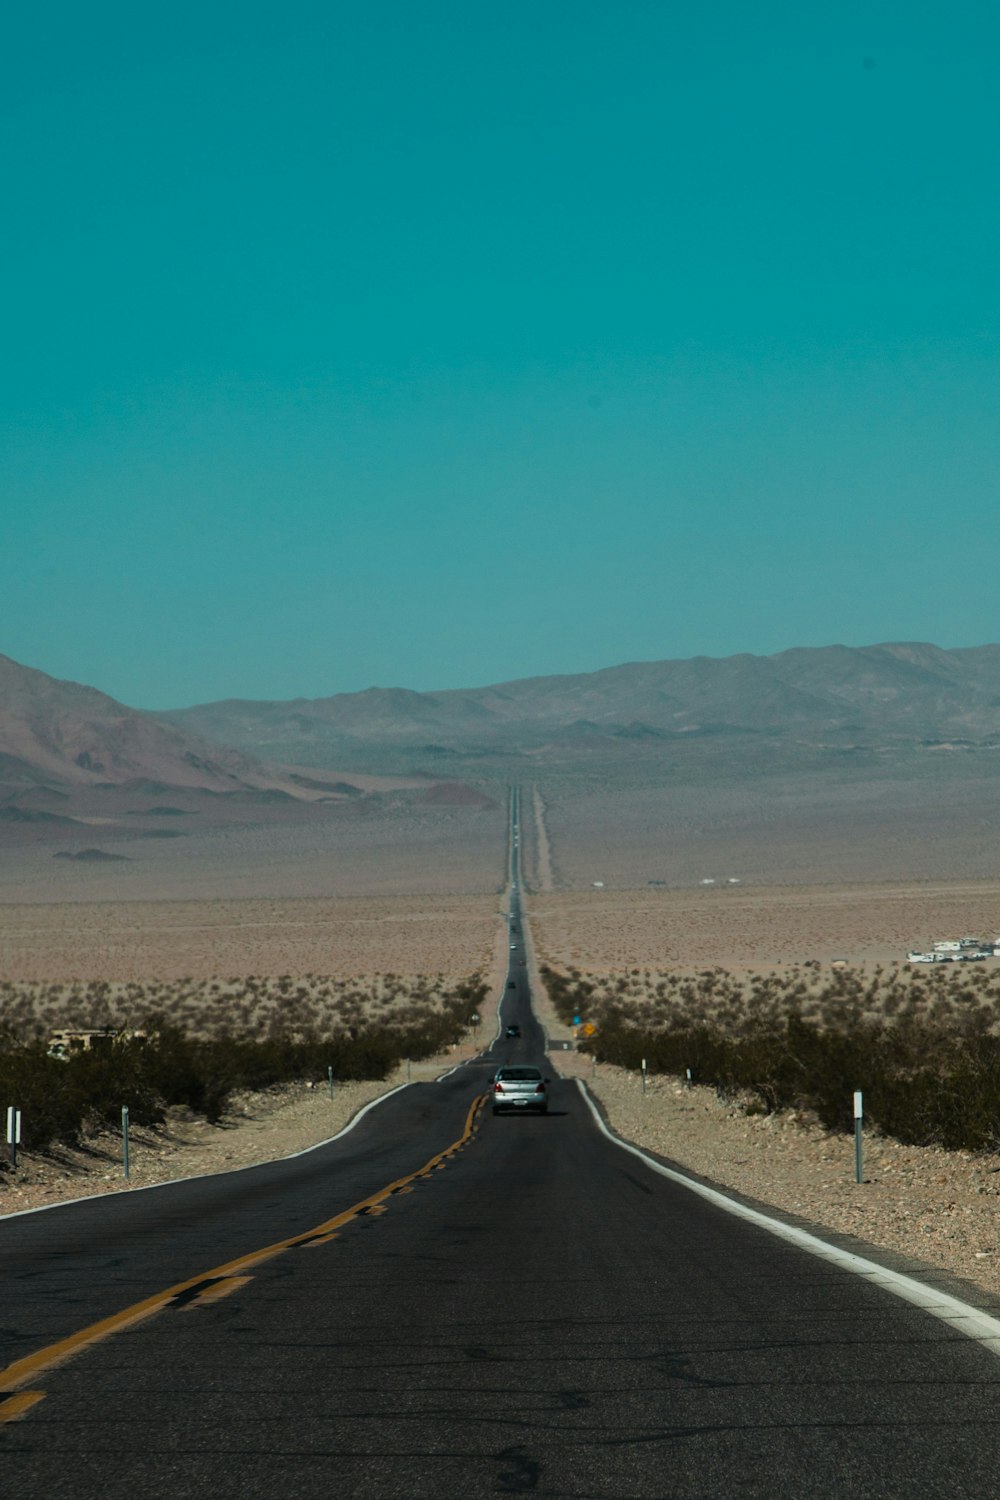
58, 735
902, 693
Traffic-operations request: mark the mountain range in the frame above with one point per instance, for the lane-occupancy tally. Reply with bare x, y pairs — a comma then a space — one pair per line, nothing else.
63, 735
900, 693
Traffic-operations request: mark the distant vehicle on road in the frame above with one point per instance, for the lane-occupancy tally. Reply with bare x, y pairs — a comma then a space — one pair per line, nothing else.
520, 1089
513, 1030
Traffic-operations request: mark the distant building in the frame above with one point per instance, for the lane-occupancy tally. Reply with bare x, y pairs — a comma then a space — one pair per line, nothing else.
88, 1038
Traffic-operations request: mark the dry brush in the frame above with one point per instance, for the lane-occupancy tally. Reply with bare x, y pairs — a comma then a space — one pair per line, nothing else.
923, 1047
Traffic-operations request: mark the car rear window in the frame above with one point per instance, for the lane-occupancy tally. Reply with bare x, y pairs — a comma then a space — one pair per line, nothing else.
519, 1075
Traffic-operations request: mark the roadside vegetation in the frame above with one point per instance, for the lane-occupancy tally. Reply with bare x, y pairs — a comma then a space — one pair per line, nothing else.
192, 1044
924, 1048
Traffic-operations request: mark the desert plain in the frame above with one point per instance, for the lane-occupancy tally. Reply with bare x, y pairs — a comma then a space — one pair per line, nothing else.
141, 941
759, 927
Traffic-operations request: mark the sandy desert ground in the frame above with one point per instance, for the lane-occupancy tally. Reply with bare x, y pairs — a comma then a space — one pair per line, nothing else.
754, 927
795, 829
364, 848
145, 940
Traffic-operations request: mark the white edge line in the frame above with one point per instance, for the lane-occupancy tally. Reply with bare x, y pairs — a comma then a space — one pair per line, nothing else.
968, 1320
150, 1187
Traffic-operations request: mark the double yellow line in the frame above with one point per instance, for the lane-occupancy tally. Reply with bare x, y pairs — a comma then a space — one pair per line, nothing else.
207, 1287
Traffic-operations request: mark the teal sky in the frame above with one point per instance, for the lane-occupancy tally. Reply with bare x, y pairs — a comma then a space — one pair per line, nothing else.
435, 344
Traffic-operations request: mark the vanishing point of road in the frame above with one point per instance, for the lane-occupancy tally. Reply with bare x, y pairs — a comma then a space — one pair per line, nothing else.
442, 1304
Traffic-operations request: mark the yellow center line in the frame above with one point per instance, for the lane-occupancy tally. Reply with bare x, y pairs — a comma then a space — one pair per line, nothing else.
31, 1365
16, 1406
219, 1289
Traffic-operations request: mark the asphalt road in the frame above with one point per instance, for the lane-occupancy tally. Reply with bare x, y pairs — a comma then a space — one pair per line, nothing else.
538, 1314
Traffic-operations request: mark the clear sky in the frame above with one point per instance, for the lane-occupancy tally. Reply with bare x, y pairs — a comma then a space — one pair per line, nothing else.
431, 344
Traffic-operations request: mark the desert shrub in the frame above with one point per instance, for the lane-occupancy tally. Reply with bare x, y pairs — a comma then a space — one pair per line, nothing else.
926, 1055
200, 1067
106, 1078
50, 1103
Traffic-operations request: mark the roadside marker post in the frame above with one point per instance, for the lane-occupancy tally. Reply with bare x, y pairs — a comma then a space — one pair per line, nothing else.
858, 1118
329, 1079
687, 1072
125, 1138
409, 1069
644, 1075
13, 1132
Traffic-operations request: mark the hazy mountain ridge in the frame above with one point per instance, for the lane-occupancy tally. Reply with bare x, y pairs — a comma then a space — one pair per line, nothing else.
58, 733
716, 717
900, 691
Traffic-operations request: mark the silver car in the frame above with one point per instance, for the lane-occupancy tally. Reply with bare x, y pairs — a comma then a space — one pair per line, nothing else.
520, 1088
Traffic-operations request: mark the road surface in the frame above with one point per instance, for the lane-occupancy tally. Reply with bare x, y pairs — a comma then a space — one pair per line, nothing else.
536, 1312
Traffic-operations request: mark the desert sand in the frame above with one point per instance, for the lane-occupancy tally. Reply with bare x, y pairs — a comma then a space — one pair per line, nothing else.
145, 940
380, 846
606, 931
768, 830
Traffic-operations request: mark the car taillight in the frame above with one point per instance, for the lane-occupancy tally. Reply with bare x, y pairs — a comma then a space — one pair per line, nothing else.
540, 1089
498, 1088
